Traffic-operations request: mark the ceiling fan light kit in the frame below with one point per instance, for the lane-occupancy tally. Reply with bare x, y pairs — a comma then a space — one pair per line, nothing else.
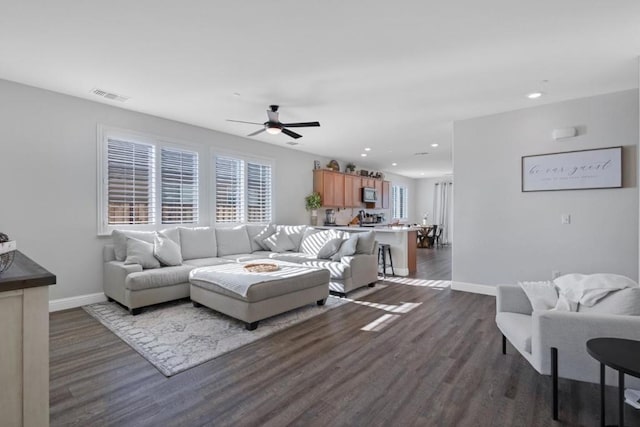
274, 126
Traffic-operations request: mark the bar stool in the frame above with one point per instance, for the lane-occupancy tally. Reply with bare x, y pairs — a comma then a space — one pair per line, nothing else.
383, 250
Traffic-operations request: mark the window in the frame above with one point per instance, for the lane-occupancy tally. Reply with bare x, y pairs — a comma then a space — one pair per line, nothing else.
179, 182
144, 183
130, 181
243, 190
399, 202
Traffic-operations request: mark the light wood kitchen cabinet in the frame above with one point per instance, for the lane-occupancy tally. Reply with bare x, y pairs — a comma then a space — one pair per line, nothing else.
352, 192
369, 182
386, 193
378, 186
330, 185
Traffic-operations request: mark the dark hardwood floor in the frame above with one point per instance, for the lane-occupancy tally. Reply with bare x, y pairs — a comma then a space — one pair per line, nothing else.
439, 364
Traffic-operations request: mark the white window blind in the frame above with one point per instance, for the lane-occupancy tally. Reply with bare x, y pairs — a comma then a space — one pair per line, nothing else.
258, 193
130, 182
179, 186
229, 190
399, 201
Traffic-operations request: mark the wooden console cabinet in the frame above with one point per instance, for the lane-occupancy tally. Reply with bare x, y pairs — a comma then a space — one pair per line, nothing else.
24, 343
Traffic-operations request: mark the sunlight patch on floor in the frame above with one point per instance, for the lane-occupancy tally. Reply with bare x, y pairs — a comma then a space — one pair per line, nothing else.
436, 284
380, 323
405, 307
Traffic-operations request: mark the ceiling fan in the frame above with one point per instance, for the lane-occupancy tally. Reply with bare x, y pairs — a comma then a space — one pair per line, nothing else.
274, 126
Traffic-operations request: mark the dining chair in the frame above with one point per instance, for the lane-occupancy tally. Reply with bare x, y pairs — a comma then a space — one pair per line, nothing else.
438, 236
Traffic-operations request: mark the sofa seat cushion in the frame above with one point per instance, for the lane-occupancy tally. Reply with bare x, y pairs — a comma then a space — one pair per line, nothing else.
205, 262
158, 277
243, 257
517, 328
337, 270
296, 257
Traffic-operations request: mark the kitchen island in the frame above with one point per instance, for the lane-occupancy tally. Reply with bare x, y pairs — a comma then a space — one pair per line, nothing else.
402, 240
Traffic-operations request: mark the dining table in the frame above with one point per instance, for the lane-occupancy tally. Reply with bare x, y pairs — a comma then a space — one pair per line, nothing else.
424, 241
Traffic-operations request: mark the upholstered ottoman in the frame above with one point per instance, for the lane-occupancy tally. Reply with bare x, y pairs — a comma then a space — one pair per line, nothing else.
253, 296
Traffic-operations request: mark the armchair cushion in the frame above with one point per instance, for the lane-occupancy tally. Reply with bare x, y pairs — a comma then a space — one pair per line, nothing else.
624, 302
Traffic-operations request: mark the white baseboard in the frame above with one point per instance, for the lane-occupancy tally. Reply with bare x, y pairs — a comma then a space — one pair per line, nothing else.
474, 288
73, 302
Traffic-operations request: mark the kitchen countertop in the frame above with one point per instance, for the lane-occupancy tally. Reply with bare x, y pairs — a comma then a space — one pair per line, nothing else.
377, 229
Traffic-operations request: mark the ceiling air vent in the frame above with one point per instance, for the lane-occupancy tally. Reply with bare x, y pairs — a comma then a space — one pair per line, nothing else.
109, 95
292, 143
423, 153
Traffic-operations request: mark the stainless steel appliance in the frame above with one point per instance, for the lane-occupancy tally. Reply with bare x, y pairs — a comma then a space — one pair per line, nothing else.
330, 217
369, 195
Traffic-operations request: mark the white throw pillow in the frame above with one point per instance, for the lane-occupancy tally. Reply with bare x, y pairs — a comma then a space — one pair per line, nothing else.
314, 240
542, 295
330, 248
257, 233
347, 248
232, 241
295, 234
166, 250
366, 243
198, 242
279, 242
141, 252
120, 240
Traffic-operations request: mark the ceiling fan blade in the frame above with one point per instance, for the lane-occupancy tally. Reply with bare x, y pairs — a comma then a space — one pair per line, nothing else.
291, 133
273, 116
301, 125
256, 132
241, 121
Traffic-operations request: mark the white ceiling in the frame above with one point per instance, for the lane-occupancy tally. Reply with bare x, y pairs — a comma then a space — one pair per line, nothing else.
392, 76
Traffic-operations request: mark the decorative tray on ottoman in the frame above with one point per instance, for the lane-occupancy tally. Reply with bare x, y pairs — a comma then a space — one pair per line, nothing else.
261, 267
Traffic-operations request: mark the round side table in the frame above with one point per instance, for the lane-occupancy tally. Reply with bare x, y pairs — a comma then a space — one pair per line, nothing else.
621, 355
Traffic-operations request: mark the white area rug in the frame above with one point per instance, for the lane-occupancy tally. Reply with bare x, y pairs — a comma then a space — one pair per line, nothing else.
176, 336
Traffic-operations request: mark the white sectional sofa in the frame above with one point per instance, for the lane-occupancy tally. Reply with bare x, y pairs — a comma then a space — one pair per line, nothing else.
135, 278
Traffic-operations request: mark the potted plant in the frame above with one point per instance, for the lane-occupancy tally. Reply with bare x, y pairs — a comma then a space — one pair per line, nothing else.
351, 167
313, 202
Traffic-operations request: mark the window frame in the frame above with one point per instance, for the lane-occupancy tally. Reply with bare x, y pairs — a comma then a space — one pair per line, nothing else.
158, 143
405, 195
267, 161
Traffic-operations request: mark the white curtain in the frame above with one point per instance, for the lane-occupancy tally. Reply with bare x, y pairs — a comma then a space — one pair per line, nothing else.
442, 209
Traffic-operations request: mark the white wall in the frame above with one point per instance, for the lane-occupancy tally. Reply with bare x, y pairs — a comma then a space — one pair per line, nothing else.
504, 235
48, 177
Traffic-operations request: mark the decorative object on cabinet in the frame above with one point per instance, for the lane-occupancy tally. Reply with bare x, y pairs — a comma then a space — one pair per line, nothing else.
7, 252
316, 164
364, 172
333, 165
351, 167
313, 202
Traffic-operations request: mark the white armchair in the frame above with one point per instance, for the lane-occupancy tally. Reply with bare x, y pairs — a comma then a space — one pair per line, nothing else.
554, 342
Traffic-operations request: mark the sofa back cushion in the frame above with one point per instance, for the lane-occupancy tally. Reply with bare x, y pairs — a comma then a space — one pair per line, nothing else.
198, 242
624, 302
257, 233
295, 234
233, 241
120, 240
347, 248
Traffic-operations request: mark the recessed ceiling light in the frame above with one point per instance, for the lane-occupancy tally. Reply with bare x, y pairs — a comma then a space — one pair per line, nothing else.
434, 145
367, 149
363, 154
394, 164
535, 95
